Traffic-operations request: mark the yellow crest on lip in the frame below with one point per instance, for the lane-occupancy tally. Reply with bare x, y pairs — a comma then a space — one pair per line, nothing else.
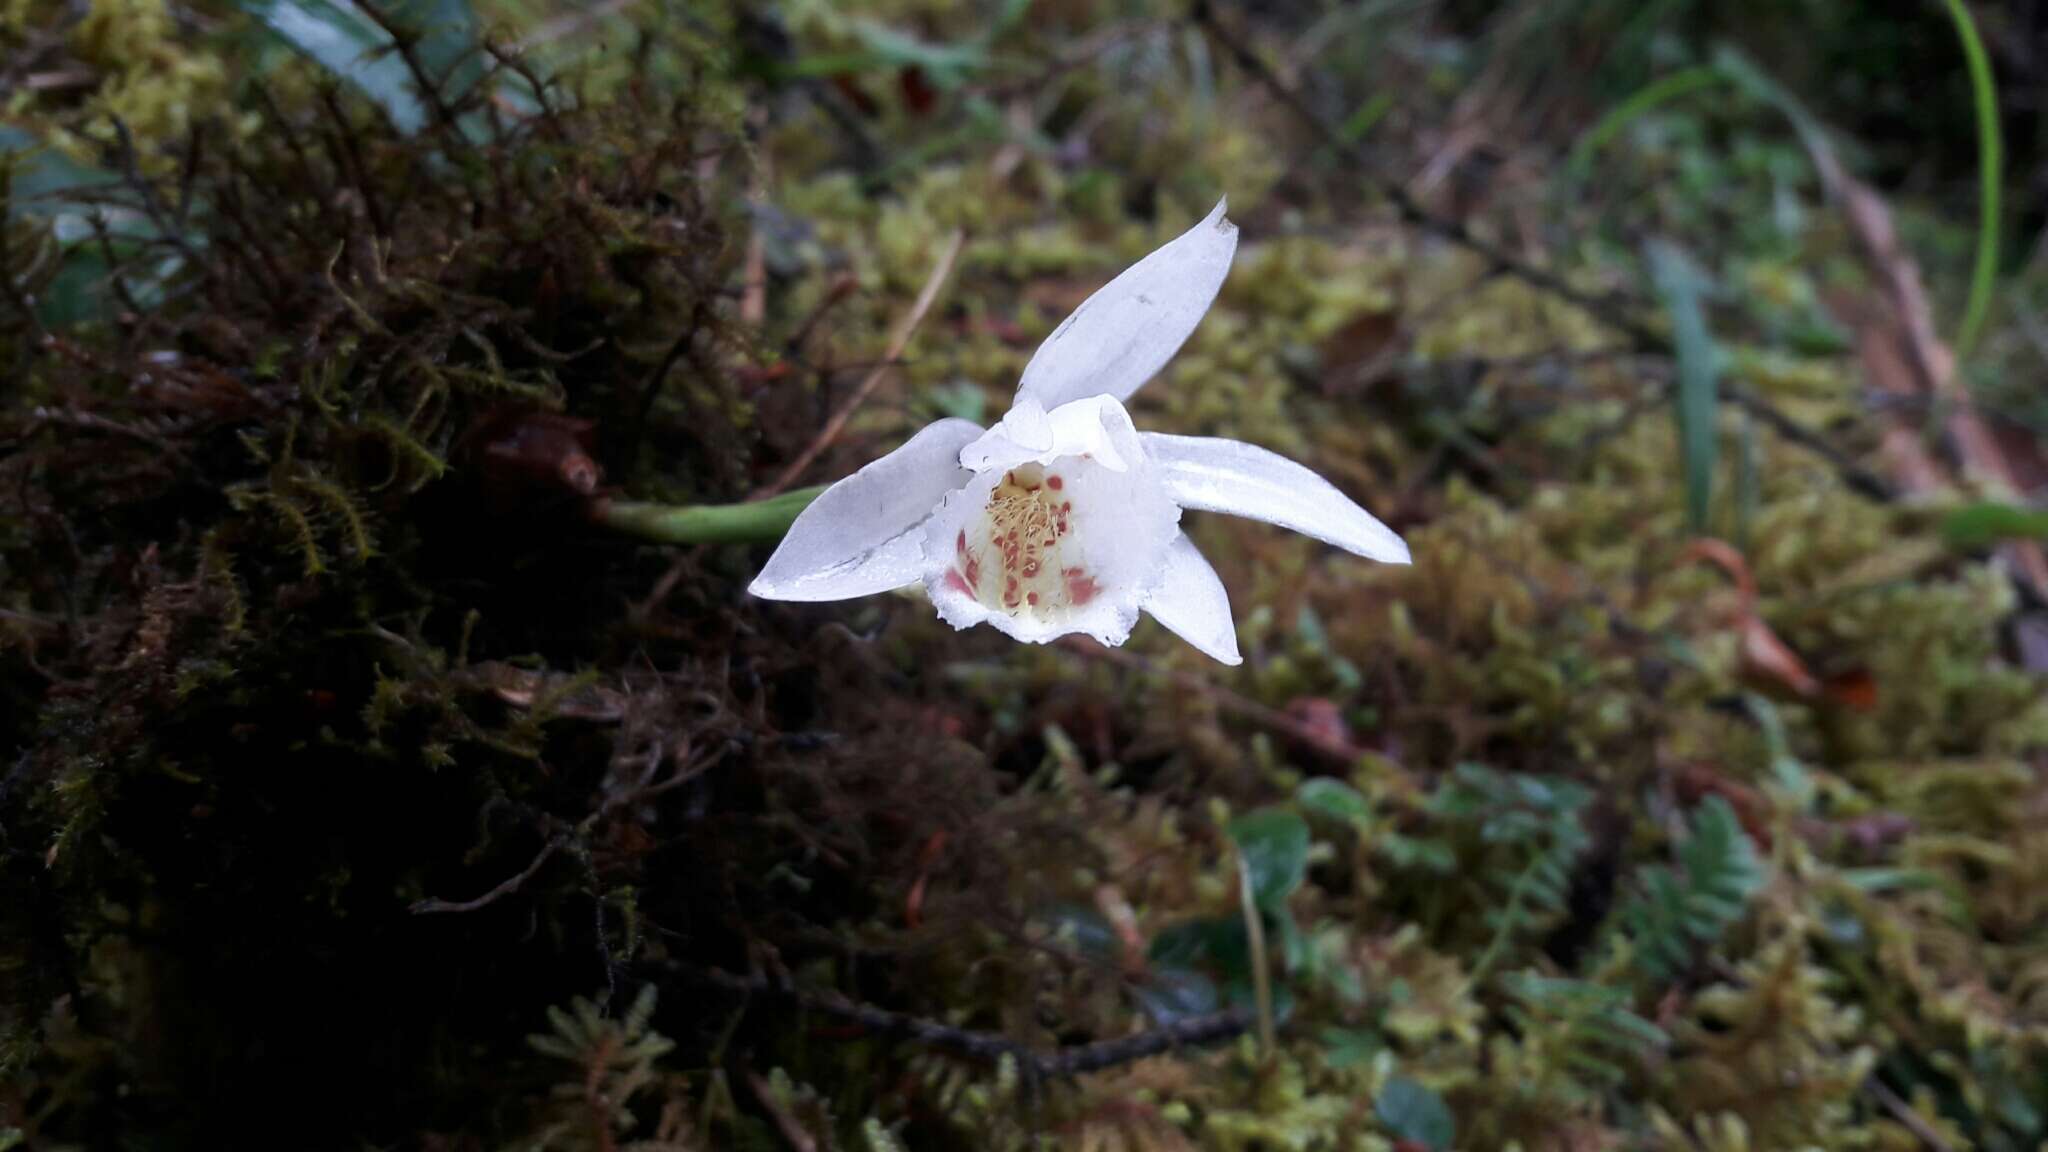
1021, 530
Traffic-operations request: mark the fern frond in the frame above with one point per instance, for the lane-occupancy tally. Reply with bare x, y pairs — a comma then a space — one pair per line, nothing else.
1677, 911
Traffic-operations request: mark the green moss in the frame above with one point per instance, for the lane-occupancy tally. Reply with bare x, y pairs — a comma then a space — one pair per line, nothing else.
355, 765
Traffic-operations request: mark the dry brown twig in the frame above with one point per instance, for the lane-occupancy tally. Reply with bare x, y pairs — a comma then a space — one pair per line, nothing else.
790, 1127
754, 287
1909, 1119
899, 337
1931, 362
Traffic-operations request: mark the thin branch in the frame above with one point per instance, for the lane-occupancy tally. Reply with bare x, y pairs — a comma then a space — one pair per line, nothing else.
1902, 1112
841, 289
507, 888
513, 60
1336, 750
790, 1127
1080, 1059
1618, 313
145, 190
1858, 478
754, 283
12, 280
115, 280
684, 344
72, 417
1255, 939
432, 91
341, 143
898, 338
986, 1047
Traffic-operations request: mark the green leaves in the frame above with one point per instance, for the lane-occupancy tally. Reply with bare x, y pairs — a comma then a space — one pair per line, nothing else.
1415, 1114
97, 239
40, 176
1680, 910
1680, 285
342, 38
1334, 799
885, 48
1351, 1047
1274, 843
1530, 834
1986, 523
1590, 1029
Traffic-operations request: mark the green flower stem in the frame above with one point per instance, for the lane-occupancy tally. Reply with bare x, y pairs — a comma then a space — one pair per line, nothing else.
761, 522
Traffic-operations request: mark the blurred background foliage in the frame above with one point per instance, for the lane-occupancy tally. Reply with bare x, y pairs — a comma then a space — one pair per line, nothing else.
1690, 791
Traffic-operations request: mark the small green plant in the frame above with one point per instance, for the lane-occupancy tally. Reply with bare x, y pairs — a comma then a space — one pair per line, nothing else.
614, 1063
1587, 1030
1681, 909
1530, 833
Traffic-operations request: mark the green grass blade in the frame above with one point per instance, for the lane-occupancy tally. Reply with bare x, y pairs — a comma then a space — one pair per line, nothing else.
1646, 99
1678, 284
1990, 173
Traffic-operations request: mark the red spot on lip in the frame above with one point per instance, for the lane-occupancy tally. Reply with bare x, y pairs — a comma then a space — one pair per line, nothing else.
1081, 587
1032, 599
957, 582
1055, 483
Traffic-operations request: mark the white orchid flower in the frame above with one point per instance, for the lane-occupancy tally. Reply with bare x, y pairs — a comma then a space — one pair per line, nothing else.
1064, 517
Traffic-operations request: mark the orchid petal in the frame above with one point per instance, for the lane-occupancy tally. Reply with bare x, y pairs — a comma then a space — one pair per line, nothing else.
1123, 334
1095, 428
1191, 602
1213, 475
861, 535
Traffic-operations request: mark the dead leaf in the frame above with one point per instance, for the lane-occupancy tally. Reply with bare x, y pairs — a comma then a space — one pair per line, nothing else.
1356, 352
521, 687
